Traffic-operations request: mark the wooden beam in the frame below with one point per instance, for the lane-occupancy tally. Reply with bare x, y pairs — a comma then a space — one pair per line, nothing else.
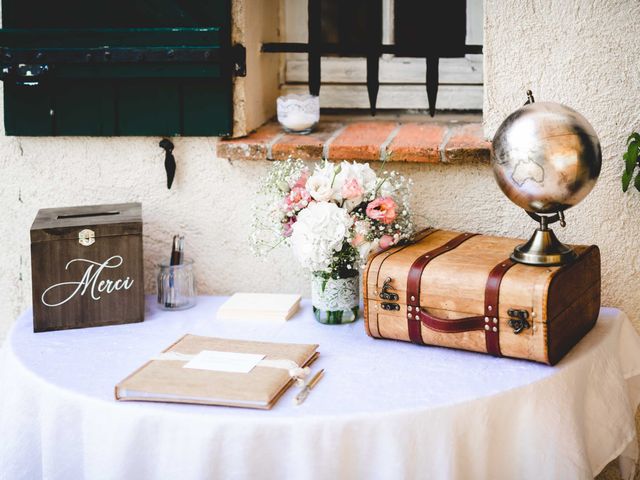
398, 70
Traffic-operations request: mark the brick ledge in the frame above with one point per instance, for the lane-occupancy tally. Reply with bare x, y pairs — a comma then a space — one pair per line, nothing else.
373, 140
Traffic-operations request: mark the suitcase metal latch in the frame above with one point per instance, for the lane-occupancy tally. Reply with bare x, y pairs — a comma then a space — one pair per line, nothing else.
390, 306
385, 294
518, 320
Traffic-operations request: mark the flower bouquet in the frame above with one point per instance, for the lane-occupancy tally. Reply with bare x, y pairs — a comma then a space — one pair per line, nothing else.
333, 216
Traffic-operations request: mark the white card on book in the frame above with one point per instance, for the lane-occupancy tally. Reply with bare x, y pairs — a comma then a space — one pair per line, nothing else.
217, 361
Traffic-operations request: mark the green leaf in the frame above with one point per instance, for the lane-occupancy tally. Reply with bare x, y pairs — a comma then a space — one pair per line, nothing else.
636, 182
635, 136
626, 180
631, 159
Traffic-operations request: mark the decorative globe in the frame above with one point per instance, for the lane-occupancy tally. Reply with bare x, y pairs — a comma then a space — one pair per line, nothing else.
546, 157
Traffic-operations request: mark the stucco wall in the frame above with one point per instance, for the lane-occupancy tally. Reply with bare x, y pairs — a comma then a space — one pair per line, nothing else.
579, 53
583, 54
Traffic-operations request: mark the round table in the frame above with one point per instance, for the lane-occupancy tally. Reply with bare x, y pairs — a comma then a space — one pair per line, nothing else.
383, 410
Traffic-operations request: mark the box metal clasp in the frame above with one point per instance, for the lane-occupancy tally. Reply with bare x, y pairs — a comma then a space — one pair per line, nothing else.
86, 237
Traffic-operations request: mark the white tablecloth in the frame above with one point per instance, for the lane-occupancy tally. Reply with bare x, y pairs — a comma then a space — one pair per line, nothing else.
384, 410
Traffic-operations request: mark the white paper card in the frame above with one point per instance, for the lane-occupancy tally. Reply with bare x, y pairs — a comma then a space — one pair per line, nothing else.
267, 306
224, 361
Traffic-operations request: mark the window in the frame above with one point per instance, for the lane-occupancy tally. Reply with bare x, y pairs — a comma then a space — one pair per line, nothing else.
402, 78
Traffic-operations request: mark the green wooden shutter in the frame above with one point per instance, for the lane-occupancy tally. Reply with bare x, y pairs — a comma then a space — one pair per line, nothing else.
116, 67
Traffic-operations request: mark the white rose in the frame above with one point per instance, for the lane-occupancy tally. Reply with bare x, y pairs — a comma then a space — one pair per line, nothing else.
319, 188
340, 179
326, 170
366, 176
318, 233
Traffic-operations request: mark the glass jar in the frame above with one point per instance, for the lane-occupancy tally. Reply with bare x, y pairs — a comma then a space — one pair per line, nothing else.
176, 286
335, 300
298, 113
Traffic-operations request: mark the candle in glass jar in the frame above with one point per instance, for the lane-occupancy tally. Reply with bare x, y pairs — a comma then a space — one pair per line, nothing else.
298, 113
297, 121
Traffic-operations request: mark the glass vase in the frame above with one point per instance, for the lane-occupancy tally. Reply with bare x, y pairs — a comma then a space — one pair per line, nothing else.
335, 300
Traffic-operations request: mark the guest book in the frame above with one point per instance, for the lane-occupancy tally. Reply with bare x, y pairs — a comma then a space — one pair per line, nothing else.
268, 306
218, 371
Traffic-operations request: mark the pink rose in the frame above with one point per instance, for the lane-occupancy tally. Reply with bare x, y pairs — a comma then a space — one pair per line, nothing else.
382, 209
351, 189
297, 199
386, 241
287, 228
302, 181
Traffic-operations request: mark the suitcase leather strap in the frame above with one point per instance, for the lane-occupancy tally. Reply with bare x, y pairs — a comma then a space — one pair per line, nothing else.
487, 322
491, 298
414, 312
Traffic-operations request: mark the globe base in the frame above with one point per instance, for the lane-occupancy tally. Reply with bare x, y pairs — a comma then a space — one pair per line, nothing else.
543, 249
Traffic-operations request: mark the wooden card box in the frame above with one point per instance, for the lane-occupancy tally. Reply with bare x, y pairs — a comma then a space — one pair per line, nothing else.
86, 266
471, 296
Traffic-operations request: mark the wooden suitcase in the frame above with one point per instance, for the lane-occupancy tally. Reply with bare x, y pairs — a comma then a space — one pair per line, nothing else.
462, 291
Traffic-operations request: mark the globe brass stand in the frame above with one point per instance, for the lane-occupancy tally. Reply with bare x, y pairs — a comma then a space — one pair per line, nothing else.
544, 248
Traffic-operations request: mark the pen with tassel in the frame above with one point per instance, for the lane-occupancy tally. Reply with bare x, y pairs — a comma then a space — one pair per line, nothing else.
304, 393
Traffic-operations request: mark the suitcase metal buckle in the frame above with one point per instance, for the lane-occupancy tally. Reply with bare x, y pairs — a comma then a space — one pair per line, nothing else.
518, 320
385, 294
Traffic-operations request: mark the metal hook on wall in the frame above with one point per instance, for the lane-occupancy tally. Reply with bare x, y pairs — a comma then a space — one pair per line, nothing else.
530, 98
169, 160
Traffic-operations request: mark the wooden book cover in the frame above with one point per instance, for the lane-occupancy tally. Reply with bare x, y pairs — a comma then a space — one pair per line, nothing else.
165, 378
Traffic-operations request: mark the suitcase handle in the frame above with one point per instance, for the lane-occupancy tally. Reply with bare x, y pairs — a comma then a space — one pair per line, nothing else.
449, 325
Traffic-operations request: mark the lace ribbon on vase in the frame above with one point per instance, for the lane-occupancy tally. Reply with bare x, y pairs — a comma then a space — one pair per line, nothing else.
335, 294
